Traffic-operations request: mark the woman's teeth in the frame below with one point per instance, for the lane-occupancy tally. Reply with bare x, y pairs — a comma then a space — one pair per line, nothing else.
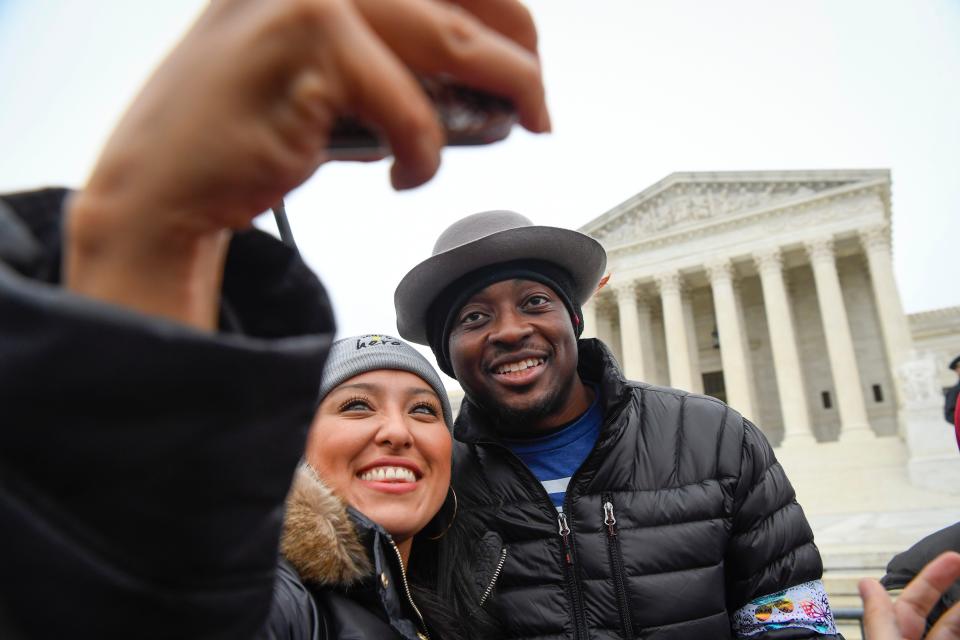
519, 366
389, 474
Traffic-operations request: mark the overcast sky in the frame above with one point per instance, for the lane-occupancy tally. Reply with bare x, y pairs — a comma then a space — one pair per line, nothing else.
638, 90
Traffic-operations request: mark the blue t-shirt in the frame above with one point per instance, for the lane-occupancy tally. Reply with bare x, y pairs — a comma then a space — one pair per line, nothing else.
554, 458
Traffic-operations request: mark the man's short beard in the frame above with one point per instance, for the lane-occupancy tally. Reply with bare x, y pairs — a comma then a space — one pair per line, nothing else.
512, 422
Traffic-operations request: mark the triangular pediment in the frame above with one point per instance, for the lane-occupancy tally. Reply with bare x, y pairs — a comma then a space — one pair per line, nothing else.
685, 200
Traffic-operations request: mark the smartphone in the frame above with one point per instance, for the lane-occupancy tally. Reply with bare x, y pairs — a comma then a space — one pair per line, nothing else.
468, 116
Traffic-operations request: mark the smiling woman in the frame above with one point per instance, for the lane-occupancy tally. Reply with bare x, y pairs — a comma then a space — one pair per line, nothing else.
376, 476
380, 442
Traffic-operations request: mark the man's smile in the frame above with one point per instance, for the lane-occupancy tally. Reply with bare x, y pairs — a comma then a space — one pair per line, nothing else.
519, 365
518, 370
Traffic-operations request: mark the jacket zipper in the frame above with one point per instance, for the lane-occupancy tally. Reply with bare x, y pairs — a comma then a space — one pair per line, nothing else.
579, 617
406, 589
616, 562
579, 620
496, 576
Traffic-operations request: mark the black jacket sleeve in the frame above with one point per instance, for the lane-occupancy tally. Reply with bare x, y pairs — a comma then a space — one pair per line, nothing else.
293, 611
772, 547
143, 464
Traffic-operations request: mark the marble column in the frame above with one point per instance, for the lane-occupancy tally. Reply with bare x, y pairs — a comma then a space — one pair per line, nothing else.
678, 352
783, 344
693, 349
605, 330
893, 321
646, 341
590, 318
630, 345
854, 423
733, 347
894, 325
745, 340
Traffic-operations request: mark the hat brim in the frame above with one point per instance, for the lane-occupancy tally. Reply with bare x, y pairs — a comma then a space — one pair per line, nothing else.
582, 256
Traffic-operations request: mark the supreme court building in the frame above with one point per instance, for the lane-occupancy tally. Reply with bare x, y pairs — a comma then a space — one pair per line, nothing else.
775, 291
771, 290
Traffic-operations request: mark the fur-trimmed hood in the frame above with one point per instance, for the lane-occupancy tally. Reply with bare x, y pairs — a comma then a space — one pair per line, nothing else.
320, 539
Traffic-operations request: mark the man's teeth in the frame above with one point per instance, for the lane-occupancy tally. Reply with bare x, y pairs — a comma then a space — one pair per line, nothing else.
519, 366
389, 474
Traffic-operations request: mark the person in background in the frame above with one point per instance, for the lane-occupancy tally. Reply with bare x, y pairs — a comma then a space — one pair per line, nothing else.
952, 394
160, 359
956, 422
621, 509
905, 566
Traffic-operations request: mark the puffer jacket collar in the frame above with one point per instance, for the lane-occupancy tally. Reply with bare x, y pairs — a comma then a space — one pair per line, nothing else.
595, 364
335, 548
320, 539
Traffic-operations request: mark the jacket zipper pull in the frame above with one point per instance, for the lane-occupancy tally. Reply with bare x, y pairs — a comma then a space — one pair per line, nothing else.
609, 519
565, 535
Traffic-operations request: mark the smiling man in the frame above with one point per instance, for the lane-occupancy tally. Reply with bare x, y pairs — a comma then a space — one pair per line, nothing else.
601, 507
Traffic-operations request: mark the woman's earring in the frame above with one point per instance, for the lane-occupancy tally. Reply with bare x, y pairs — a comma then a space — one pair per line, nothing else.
452, 518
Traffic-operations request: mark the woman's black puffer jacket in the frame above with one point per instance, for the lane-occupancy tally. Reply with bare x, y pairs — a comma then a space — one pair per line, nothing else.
341, 576
679, 516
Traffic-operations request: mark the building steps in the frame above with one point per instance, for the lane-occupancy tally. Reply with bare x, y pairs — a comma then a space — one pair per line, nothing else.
843, 569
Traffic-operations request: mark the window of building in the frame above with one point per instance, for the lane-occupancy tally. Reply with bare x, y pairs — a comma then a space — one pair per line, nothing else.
826, 400
713, 385
877, 393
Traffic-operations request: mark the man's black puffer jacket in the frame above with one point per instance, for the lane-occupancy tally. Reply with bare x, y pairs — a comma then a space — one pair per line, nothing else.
706, 520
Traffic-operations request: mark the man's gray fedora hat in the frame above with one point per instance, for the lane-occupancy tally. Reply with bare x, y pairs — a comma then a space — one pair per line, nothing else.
489, 238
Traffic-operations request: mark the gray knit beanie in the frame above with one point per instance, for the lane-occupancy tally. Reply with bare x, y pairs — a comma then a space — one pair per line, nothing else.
350, 357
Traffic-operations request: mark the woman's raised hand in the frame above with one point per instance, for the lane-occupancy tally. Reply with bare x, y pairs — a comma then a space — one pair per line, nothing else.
906, 618
239, 114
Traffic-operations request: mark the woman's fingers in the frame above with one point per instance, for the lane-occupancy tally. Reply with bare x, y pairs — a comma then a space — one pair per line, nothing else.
241, 110
879, 620
375, 58
439, 39
381, 90
508, 17
376, 54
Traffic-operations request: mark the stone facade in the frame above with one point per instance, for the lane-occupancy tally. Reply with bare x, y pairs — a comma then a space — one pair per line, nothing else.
702, 249
761, 288
775, 292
